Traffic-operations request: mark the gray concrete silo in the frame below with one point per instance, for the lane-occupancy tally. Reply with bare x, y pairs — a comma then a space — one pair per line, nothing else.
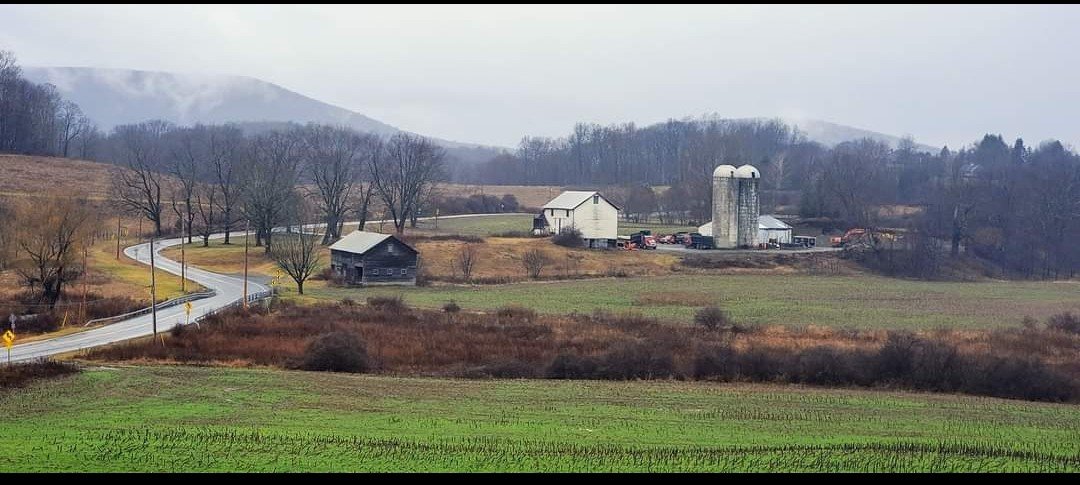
747, 205
724, 222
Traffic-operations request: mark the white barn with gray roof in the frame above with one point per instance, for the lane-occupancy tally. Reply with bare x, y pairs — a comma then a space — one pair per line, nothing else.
587, 211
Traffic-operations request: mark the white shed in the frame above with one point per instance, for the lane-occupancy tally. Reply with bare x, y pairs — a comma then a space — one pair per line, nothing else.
770, 229
587, 211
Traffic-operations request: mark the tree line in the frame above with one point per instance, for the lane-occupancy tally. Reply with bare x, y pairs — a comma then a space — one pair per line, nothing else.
211, 177
36, 120
1012, 204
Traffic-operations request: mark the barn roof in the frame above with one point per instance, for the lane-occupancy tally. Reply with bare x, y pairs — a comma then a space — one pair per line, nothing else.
764, 223
770, 222
359, 241
573, 198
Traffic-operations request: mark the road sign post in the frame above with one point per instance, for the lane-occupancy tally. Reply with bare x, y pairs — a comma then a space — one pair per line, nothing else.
9, 340
187, 310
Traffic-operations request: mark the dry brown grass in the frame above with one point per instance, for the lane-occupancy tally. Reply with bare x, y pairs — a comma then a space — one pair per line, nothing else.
28, 175
497, 260
527, 195
401, 340
500, 258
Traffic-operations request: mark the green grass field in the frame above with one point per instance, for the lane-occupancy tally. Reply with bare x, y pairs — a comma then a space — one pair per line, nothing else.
852, 301
470, 226
217, 419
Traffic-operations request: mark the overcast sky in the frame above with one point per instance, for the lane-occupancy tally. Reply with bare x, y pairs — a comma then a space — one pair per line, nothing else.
491, 74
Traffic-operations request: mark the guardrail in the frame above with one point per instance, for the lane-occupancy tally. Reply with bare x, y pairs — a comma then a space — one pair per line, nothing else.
165, 304
252, 298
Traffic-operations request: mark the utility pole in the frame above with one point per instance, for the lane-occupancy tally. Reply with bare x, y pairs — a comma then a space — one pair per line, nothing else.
153, 287
183, 267
247, 229
117, 236
85, 276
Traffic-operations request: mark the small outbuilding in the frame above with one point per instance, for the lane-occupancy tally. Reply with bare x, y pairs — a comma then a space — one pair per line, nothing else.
371, 258
770, 230
773, 230
587, 211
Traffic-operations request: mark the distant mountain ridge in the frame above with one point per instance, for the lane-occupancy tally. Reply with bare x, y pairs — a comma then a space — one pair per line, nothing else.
832, 134
113, 97
119, 96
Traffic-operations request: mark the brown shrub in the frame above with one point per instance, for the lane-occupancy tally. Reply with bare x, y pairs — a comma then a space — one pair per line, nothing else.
515, 314
21, 374
515, 342
387, 303
712, 318
568, 238
335, 352
1065, 322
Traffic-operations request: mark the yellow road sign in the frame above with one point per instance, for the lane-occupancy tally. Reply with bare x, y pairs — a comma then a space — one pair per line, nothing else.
187, 308
9, 338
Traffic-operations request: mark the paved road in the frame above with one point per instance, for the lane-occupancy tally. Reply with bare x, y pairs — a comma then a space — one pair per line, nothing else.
230, 290
679, 248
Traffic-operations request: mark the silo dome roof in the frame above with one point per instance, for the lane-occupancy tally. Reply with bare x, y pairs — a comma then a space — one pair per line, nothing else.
747, 172
724, 171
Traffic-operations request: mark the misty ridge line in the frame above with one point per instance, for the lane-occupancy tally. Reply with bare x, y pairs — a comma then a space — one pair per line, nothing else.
113, 96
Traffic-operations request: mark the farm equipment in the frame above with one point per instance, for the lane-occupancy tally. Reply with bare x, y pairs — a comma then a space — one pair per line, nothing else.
643, 240
850, 235
861, 238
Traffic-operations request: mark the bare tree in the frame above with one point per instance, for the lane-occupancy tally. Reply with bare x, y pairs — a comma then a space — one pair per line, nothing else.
72, 124
334, 159
139, 182
297, 254
205, 206
7, 237
188, 152
269, 182
534, 261
465, 260
405, 167
52, 236
226, 146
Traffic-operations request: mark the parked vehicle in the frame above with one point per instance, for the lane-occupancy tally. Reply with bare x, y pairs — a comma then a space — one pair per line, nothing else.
804, 241
643, 240
697, 241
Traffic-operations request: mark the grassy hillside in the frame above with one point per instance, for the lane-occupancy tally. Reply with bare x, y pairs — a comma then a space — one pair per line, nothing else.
215, 419
32, 175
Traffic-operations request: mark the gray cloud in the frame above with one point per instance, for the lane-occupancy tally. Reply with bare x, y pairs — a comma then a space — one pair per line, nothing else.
490, 74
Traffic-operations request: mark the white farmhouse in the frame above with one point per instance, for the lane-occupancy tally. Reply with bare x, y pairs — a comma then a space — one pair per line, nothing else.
587, 211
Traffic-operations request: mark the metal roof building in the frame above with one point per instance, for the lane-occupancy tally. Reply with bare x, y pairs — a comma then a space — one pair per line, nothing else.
770, 229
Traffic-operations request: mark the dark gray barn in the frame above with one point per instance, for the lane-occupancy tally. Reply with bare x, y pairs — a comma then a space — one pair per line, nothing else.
371, 258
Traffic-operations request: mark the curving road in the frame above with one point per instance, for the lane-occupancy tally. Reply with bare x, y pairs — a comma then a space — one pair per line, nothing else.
230, 290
